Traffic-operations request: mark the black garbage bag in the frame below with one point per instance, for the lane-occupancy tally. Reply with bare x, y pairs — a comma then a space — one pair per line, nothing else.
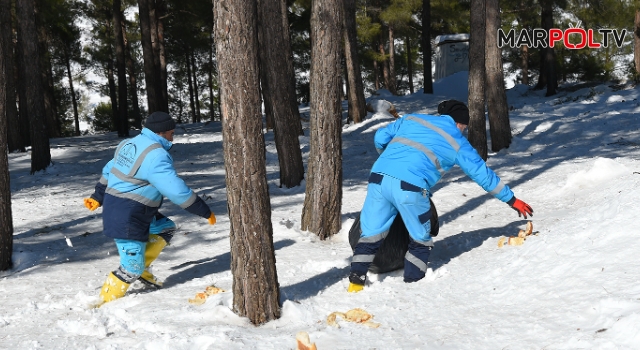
390, 256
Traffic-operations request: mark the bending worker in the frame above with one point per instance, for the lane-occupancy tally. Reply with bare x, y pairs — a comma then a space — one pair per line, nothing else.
416, 150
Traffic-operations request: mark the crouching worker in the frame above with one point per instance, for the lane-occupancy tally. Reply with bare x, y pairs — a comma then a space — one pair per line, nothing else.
131, 190
416, 150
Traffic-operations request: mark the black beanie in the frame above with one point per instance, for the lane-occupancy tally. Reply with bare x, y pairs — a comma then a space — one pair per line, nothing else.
160, 122
456, 109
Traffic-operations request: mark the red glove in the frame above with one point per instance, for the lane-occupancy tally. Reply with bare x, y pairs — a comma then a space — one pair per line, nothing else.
521, 207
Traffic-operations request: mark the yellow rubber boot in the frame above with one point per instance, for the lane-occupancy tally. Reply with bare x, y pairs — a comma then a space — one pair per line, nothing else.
113, 288
151, 253
354, 288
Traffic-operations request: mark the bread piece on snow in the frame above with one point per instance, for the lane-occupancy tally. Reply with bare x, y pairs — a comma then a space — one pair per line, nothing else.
516, 240
200, 299
528, 230
303, 342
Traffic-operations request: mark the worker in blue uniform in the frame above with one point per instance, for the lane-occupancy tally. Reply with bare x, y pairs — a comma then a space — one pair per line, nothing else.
131, 189
415, 151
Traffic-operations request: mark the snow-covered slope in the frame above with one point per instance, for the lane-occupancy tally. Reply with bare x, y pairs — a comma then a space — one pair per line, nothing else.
573, 285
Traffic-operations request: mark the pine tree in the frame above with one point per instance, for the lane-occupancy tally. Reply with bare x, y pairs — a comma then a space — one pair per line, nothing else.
129, 33
356, 104
118, 38
498, 110
151, 69
323, 196
101, 51
477, 119
548, 76
14, 140
399, 16
600, 64
256, 292
426, 47
53, 124
278, 89
524, 15
32, 81
6, 221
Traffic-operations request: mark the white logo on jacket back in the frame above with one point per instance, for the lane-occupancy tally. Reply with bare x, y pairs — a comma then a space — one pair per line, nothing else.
127, 155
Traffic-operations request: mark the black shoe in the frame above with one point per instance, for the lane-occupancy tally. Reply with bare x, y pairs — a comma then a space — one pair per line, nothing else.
355, 278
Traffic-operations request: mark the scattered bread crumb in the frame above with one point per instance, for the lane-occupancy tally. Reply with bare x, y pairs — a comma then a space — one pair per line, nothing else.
201, 298
354, 315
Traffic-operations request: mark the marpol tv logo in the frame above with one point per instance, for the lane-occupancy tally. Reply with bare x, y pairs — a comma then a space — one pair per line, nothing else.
573, 38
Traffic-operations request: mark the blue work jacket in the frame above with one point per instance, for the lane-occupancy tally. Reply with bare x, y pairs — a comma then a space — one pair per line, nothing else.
420, 148
134, 183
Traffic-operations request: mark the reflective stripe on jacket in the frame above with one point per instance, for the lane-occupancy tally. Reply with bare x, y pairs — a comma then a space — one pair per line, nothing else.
420, 148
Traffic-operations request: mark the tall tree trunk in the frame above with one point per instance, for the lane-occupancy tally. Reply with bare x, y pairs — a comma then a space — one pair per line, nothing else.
14, 136
32, 80
636, 44
150, 77
384, 63
196, 94
155, 45
496, 96
161, 10
409, 63
210, 76
323, 197
111, 82
180, 106
426, 46
357, 104
549, 53
276, 63
113, 95
50, 106
76, 117
133, 81
376, 73
6, 222
477, 119
23, 115
256, 291
393, 81
564, 71
525, 65
542, 77
192, 105
123, 115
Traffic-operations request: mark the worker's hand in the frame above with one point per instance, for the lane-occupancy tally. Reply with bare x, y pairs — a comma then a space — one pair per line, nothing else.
91, 204
522, 208
212, 219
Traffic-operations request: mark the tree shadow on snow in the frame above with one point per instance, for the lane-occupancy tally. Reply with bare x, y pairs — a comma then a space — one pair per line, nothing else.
207, 266
41, 248
314, 285
451, 247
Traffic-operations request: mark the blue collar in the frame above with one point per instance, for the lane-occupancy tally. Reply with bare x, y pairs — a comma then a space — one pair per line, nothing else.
166, 144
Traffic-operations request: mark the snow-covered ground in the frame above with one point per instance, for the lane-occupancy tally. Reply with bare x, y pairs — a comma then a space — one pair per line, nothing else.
573, 285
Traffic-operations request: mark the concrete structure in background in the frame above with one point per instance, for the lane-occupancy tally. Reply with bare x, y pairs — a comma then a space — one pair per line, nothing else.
451, 55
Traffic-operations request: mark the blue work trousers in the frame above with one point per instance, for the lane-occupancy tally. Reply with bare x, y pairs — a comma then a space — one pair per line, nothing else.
386, 196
